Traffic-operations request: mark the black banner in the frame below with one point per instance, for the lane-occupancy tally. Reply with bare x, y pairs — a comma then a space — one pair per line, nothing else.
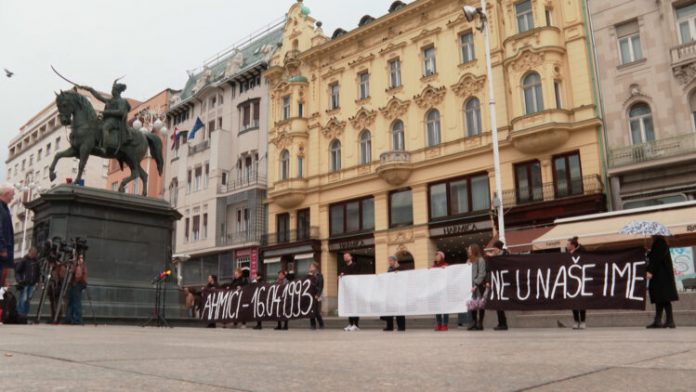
261, 302
555, 281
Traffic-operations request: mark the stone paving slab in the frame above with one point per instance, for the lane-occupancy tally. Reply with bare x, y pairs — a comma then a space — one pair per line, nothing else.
106, 358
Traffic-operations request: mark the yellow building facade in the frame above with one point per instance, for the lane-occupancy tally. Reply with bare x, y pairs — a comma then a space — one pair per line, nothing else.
380, 139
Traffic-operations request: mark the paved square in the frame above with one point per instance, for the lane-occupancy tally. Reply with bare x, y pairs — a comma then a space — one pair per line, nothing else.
104, 358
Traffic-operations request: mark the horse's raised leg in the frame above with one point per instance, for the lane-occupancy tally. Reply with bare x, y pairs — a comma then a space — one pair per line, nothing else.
135, 173
67, 153
143, 176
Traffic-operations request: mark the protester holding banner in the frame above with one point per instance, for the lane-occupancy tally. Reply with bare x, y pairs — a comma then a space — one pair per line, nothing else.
478, 287
212, 284
662, 288
400, 320
238, 282
441, 320
258, 280
319, 286
579, 315
351, 269
282, 325
498, 250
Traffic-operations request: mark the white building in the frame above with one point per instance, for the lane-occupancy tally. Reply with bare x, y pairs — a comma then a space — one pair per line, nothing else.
217, 179
30, 155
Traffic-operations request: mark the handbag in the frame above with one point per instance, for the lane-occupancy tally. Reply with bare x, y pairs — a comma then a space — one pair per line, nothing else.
478, 300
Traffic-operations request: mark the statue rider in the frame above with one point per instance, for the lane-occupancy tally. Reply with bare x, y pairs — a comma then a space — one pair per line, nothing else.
114, 117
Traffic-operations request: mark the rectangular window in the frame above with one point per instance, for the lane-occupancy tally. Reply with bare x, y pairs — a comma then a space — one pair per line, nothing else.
557, 91
38, 154
188, 181
57, 143
300, 110
686, 23
459, 196
400, 208
567, 174
525, 17
247, 221
219, 123
286, 107
206, 176
335, 91
114, 186
283, 227
48, 148
395, 73
628, 36
303, 225
549, 20
528, 185
197, 179
196, 229
300, 167
352, 217
205, 226
186, 229
466, 47
257, 112
364, 90
429, 63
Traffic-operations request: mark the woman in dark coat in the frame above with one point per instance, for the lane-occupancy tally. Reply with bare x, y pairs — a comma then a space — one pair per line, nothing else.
662, 286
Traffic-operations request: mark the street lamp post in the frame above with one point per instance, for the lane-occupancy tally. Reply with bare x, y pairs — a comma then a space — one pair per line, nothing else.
470, 13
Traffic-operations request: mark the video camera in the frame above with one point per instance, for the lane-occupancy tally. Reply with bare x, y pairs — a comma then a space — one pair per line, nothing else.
58, 249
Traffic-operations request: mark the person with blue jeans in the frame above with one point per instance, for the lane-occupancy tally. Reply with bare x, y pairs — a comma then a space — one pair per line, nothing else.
442, 320
27, 275
79, 283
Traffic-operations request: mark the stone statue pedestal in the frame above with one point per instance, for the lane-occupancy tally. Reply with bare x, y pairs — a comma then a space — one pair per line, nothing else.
130, 242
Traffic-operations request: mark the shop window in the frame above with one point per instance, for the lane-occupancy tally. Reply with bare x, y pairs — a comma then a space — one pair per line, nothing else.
459, 196
567, 175
400, 208
352, 217
528, 185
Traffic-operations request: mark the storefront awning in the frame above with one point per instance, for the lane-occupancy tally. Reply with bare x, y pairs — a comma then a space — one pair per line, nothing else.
271, 260
520, 240
602, 230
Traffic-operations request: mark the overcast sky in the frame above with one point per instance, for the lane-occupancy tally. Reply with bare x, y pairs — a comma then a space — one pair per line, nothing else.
152, 42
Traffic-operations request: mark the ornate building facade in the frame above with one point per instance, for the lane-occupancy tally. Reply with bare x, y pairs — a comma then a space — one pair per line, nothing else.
646, 70
380, 139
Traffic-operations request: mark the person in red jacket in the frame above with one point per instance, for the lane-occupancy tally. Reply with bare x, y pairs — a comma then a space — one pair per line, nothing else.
441, 320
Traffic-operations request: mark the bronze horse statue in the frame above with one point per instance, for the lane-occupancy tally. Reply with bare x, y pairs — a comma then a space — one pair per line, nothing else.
86, 136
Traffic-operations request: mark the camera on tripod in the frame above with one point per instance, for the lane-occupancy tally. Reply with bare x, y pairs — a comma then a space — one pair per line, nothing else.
58, 249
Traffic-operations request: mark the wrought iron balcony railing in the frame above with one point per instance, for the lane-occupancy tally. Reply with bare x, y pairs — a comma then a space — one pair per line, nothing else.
290, 236
587, 185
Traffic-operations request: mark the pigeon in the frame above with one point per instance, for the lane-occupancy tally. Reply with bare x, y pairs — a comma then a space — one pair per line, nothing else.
8, 73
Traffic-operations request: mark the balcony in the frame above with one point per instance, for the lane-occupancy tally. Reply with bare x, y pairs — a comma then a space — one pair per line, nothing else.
241, 184
395, 167
202, 146
670, 147
588, 185
240, 237
683, 53
291, 236
288, 193
254, 124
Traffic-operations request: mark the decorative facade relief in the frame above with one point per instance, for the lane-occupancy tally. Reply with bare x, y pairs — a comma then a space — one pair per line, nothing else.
334, 128
527, 60
363, 118
395, 108
430, 97
469, 84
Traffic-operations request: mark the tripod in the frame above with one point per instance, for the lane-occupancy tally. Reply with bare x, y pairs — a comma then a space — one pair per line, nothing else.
157, 317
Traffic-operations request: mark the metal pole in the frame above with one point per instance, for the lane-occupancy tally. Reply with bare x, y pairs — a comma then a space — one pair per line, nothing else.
24, 232
494, 127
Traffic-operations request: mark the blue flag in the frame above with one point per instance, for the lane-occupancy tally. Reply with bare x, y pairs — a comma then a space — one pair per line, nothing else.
198, 125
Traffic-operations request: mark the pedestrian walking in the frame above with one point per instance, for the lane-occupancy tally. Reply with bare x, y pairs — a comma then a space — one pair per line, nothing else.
498, 250
315, 274
579, 315
662, 286
351, 269
27, 275
478, 287
282, 324
441, 320
6, 232
393, 263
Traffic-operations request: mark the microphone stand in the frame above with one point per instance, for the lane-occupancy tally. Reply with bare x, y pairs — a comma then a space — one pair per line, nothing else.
157, 317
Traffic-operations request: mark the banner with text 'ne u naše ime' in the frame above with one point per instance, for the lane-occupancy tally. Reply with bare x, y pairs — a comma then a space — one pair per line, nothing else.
407, 293
260, 302
555, 281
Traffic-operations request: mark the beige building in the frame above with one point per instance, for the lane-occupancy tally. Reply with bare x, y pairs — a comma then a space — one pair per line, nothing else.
646, 70
30, 156
380, 139
216, 178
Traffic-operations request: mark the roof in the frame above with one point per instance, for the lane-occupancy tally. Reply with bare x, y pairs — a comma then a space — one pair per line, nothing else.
251, 56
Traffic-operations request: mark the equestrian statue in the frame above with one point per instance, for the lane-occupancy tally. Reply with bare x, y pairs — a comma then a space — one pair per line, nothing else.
106, 135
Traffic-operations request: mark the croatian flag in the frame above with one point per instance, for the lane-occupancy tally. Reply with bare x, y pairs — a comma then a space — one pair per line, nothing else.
198, 125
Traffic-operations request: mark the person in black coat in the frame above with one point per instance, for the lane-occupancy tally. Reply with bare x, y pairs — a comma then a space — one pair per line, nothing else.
319, 287
662, 286
258, 281
400, 320
579, 315
6, 233
238, 282
212, 285
498, 250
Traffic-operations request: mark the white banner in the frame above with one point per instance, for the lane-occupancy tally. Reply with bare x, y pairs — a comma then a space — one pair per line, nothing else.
406, 293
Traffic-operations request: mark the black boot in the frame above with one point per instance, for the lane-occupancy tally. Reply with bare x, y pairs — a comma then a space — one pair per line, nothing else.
657, 323
670, 316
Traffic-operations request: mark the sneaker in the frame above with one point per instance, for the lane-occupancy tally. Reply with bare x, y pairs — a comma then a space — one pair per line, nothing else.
445, 328
576, 326
355, 328
582, 326
438, 327
670, 325
348, 328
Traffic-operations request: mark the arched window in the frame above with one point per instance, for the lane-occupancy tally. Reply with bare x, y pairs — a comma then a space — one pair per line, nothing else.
397, 132
472, 108
432, 120
533, 97
365, 147
335, 156
284, 165
641, 123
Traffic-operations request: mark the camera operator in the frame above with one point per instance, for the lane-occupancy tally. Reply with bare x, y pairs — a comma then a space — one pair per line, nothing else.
27, 274
79, 283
